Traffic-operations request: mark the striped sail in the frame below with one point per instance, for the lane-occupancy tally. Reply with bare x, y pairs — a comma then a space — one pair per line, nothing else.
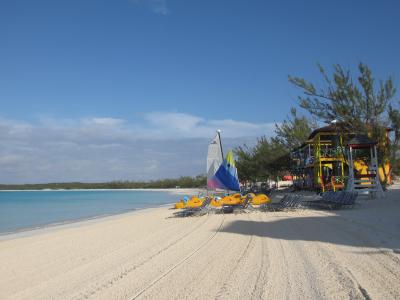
214, 161
221, 173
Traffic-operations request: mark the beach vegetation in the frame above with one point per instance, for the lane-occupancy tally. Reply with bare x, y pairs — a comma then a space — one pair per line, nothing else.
359, 103
182, 182
269, 158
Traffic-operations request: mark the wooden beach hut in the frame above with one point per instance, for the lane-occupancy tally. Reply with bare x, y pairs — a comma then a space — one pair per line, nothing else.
322, 162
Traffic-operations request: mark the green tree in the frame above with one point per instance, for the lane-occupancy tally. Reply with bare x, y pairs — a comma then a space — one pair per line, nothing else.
278, 162
294, 131
245, 163
269, 157
261, 162
359, 105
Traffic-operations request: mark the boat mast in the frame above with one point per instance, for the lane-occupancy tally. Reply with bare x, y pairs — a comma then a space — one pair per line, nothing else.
220, 142
222, 151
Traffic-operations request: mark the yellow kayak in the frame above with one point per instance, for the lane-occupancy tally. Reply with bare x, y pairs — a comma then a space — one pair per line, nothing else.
235, 199
232, 200
194, 202
189, 203
260, 199
179, 205
216, 202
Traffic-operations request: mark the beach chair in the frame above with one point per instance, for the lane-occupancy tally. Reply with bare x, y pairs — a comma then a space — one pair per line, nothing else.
289, 201
295, 202
334, 200
337, 183
344, 199
191, 211
325, 186
349, 199
328, 200
229, 208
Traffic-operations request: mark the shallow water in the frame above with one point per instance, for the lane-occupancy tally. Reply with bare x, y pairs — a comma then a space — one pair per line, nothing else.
20, 210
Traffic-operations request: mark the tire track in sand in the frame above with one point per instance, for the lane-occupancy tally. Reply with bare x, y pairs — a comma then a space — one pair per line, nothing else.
225, 287
379, 271
132, 268
329, 273
193, 253
258, 291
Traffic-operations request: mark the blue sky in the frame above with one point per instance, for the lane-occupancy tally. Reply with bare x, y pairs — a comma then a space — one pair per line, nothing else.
158, 70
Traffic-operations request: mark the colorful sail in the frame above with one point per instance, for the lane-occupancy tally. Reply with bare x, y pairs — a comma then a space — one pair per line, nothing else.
221, 173
214, 161
227, 174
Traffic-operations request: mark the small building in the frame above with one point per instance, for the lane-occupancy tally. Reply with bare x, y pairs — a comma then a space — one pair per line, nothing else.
321, 163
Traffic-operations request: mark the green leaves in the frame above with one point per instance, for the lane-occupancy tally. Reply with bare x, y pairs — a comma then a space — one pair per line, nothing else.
355, 103
359, 103
294, 131
270, 158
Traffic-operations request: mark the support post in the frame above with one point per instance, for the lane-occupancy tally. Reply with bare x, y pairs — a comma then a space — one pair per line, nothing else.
350, 182
379, 189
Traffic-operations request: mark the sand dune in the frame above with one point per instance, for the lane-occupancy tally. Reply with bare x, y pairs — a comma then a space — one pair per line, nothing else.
302, 254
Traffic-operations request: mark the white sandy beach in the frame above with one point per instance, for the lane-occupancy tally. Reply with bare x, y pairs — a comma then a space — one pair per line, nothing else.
304, 254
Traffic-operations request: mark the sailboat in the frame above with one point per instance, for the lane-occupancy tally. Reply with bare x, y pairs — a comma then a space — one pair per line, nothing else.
222, 176
221, 173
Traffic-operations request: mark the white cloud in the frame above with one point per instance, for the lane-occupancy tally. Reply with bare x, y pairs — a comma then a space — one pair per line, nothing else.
158, 145
183, 125
174, 121
104, 121
9, 159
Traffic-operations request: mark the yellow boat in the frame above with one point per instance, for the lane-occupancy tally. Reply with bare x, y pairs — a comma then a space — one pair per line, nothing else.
216, 202
260, 199
179, 205
193, 202
235, 199
251, 195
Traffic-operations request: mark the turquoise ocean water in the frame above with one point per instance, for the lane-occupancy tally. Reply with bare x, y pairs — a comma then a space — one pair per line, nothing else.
21, 210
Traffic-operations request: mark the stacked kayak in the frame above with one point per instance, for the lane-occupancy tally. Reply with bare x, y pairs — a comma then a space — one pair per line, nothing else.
235, 199
193, 202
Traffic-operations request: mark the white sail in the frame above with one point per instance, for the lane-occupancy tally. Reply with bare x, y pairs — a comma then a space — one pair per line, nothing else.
214, 157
